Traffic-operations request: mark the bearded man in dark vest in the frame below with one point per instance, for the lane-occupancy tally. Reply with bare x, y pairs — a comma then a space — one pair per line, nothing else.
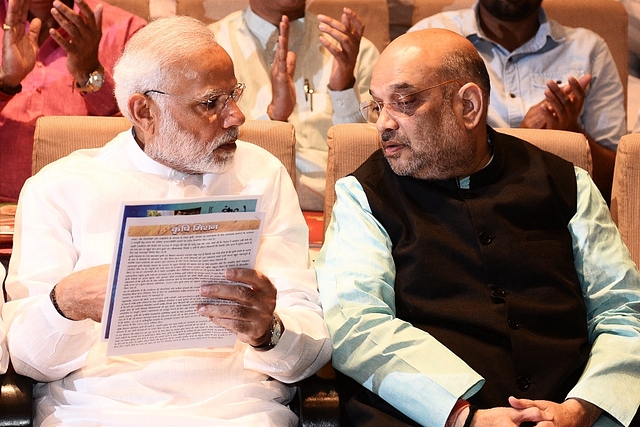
469, 278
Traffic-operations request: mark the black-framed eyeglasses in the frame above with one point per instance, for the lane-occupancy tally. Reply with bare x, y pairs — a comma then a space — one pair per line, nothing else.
403, 105
214, 104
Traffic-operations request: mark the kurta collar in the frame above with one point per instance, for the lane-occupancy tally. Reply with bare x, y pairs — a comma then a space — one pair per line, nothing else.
264, 30
494, 169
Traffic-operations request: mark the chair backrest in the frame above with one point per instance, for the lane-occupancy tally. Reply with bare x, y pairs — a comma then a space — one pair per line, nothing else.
58, 136
625, 193
137, 7
607, 18
351, 144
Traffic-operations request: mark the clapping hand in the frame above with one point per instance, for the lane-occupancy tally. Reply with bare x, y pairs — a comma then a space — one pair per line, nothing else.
561, 107
347, 32
283, 99
80, 38
19, 50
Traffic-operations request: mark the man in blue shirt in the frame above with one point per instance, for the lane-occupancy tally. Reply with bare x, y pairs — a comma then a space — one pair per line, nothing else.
545, 75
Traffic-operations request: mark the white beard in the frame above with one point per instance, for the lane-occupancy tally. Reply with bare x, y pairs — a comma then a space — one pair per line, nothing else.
176, 148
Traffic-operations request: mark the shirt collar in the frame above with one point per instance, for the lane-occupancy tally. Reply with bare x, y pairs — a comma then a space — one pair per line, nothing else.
263, 30
549, 32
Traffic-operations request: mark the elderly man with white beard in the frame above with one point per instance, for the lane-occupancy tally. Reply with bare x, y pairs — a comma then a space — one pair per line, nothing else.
177, 87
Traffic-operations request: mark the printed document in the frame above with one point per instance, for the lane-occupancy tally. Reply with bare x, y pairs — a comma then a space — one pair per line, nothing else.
165, 253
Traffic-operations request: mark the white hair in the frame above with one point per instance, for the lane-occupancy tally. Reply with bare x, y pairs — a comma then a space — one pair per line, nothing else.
151, 56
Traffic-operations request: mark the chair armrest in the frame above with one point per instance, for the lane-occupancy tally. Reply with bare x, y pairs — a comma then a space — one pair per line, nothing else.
316, 402
16, 400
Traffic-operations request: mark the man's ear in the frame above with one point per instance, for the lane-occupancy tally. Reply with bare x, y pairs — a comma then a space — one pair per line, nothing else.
143, 114
472, 105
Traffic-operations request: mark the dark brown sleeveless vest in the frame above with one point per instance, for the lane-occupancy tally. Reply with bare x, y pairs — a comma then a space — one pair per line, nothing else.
489, 270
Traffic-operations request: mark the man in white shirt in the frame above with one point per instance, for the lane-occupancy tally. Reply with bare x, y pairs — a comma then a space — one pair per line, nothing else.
177, 87
309, 70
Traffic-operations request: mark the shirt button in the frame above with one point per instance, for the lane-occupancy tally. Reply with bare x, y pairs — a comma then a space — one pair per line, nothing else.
39, 89
485, 238
39, 64
497, 293
513, 324
523, 382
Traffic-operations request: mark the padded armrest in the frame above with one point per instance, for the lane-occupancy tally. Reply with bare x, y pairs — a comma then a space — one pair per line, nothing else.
316, 402
16, 400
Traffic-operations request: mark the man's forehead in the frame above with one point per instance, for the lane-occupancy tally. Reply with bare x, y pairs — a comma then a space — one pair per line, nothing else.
393, 80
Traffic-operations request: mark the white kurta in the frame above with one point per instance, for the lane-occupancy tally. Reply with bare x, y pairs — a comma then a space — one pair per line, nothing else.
67, 221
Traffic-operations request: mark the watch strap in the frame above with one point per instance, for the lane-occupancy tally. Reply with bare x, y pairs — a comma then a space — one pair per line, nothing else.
274, 337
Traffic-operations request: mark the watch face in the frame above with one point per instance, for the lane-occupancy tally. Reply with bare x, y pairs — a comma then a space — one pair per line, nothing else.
96, 79
276, 333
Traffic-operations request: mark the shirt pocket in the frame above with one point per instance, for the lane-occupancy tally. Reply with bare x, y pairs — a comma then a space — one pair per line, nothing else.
539, 80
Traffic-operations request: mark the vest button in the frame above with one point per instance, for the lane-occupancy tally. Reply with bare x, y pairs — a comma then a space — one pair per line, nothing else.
485, 238
523, 382
469, 195
513, 324
497, 293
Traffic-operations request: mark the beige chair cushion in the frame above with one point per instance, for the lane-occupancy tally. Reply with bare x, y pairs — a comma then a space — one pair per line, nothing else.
58, 136
137, 7
278, 138
571, 146
351, 144
608, 18
625, 193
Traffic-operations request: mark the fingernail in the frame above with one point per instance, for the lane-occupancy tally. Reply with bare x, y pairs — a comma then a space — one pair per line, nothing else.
205, 289
228, 274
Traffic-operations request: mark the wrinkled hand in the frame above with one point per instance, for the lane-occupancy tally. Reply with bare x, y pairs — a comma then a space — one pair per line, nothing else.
570, 413
283, 89
81, 295
19, 50
347, 33
251, 317
81, 37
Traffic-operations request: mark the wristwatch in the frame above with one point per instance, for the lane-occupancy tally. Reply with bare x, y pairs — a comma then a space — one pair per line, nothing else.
95, 82
276, 333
